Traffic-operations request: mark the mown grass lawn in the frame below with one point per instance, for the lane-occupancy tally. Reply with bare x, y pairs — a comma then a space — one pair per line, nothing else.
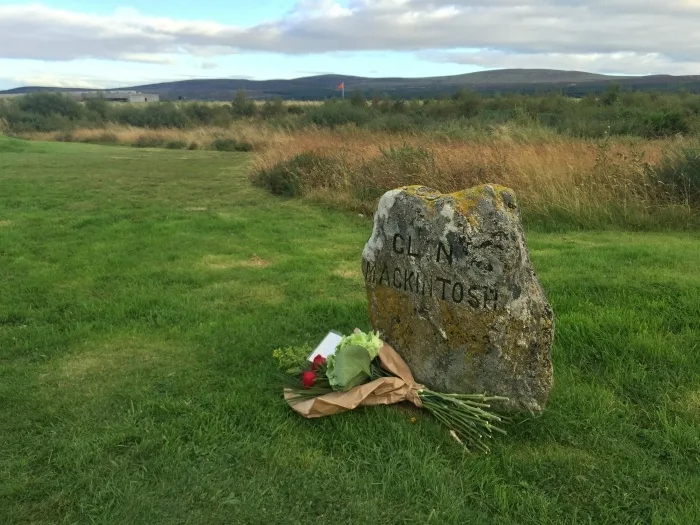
141, 295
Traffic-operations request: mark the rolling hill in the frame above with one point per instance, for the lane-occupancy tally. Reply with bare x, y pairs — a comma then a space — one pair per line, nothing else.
573, 83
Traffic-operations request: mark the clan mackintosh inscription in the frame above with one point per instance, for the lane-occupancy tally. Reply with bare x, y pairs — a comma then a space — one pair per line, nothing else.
451, 288
408, 280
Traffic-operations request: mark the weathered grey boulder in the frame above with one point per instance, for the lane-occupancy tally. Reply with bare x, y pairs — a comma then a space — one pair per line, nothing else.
451, 287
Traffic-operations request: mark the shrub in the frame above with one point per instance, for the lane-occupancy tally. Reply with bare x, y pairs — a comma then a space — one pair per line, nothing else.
296, 109
164, 115
241, 106
666, 124
203, 114
337, 114
392, 123
678, 175
272, 108
228, 144
155, 115
148, 141
65, 136
97, 105
287, 178
467, 103
357, 98
47, 104
223, 145
176, 144
107, 137
242, 145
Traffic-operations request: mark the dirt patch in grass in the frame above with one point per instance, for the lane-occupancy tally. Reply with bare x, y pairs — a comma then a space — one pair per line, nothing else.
239, 293
4, 223
115, 362
692, 407
225, 262
347, 273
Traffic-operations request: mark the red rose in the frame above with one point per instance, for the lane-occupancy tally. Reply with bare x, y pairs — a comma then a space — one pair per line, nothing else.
308, 379
317, 362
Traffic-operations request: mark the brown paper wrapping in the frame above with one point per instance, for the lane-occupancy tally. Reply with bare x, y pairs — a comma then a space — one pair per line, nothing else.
382, 391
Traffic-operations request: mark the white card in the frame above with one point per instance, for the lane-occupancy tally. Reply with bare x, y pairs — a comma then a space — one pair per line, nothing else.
327, 346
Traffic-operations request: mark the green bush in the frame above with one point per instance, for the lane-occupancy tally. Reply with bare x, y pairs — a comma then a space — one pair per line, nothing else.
335, 114
148, 141
153, 115
242, 145
223, 145
467, 103
287, 178
176, 144
228, 144
98, 106
65, 136
106, 137
678, 175
393, 123
48, 104
357, 98
241, 106
206, 114
272, 108
666, 124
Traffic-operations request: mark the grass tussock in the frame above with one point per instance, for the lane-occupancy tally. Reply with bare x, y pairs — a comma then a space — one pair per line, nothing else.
244, 136
587, 183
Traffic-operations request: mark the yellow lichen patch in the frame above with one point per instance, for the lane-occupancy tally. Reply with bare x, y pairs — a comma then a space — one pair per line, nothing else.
226, 262
465, 200
468, 327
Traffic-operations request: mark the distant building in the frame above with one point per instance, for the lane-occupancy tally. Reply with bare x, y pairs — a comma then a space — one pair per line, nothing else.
111, 96
118, 96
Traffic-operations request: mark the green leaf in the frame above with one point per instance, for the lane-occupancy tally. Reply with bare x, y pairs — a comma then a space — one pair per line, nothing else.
370, 341
349, 367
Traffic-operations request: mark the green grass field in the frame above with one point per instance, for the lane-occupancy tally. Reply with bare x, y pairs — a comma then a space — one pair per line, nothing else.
142, 293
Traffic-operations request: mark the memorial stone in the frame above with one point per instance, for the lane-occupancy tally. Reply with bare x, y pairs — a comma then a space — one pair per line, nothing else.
451, 287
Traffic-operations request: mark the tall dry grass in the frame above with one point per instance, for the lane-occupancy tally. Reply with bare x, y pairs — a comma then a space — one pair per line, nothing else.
590, 183
561, 180
257, 135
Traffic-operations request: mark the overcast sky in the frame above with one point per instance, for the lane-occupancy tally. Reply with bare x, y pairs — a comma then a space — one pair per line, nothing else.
109, 43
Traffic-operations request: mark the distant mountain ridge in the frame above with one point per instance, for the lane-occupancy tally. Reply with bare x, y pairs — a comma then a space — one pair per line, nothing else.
573, 83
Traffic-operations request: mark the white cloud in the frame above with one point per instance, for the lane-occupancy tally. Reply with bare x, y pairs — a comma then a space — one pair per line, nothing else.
626, 36
605, 63
57, 81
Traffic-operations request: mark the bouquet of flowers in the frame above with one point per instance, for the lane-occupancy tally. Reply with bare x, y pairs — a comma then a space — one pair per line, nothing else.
363, 370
